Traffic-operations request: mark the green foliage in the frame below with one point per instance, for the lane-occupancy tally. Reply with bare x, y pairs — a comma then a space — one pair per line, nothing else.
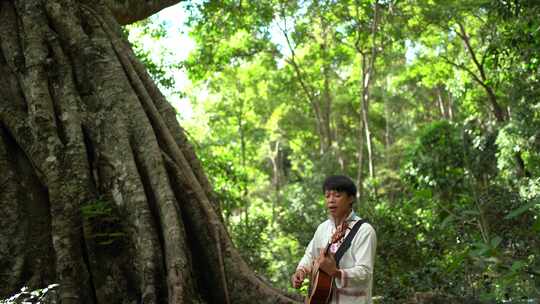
303, 208
516, 140
226, 33
250, 238
436, 160
143, 35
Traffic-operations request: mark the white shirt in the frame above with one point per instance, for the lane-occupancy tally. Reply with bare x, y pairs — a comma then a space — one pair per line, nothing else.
356, 264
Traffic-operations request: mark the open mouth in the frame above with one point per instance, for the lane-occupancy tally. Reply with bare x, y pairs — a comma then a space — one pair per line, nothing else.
332, 209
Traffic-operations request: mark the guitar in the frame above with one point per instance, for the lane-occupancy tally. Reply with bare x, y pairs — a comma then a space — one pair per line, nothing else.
321, 283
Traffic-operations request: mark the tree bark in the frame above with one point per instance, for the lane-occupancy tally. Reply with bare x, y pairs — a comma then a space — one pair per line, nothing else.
364, 111
129, 11
360, 161
101, 191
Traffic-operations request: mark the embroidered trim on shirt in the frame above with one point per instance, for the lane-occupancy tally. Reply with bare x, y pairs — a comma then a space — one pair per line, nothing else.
352, 293
344, 280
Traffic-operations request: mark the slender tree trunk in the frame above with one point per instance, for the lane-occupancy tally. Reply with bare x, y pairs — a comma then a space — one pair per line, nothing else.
320, 124
243, 186
360, 166
365, 122
276, 178
387, 136
326, 96
440, 103
105, 195
327, 110
450, 104
340, 155
368, 69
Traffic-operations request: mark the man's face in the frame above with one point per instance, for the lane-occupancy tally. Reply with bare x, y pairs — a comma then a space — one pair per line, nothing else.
338, 203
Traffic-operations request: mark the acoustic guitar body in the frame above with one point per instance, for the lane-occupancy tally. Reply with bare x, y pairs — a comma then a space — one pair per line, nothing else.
321, 286
321, 282
321, 289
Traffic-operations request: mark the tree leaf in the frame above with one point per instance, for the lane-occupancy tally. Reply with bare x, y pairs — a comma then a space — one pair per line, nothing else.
517, 212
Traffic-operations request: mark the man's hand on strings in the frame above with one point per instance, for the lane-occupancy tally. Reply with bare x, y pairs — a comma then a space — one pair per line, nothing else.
327, 263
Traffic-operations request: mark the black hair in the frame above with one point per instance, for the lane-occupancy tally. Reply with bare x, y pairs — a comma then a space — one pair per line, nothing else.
340, 183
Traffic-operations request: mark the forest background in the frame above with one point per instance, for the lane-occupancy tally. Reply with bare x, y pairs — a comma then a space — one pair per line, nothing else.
431, 107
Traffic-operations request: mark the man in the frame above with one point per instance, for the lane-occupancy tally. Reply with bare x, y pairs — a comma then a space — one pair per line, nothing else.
353, 278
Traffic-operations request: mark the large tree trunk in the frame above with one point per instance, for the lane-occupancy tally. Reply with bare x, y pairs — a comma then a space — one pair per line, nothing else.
100, 190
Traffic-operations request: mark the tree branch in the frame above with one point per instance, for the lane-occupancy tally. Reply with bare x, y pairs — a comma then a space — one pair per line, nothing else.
129, 11
358, 29
497, 109
464, 68
466, 40
292, 61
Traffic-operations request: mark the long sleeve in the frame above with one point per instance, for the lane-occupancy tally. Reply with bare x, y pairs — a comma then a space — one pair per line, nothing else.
313, 248
358, 272
308, 258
